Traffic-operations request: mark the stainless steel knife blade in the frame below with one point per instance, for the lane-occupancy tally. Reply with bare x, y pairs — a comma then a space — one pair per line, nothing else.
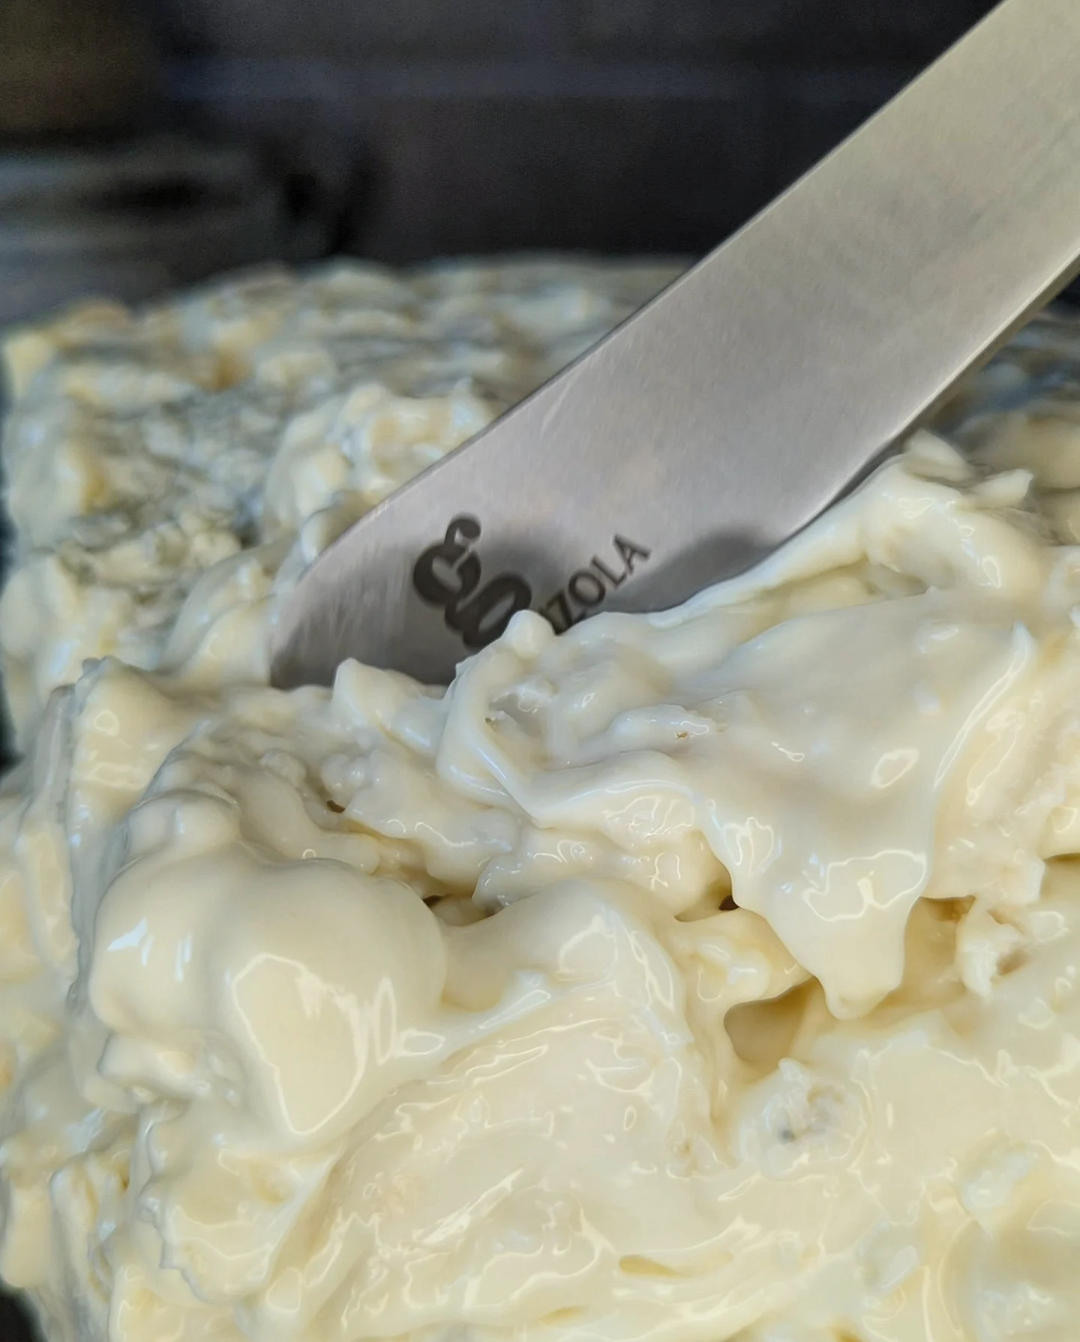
733, 408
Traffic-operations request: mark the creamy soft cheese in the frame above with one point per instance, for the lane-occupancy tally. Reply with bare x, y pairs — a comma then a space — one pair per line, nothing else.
235, 432
700, 976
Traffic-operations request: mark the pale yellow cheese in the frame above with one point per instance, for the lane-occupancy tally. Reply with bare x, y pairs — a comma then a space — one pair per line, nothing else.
700, 976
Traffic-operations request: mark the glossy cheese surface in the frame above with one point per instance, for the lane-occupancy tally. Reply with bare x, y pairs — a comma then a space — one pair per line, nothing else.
699, 976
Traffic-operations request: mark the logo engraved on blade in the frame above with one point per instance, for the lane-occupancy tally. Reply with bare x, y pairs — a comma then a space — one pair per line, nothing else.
448, 575
590, 586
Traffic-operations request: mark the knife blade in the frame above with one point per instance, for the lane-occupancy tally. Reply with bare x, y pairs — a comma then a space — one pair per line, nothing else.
731, 410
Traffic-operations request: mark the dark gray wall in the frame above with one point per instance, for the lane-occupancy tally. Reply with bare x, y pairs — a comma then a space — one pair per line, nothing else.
619, 125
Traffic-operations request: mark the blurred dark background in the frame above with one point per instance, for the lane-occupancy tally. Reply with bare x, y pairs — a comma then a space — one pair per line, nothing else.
480, 125
407, 128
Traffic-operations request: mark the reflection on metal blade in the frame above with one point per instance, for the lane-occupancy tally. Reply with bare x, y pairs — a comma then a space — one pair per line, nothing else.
732, 409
